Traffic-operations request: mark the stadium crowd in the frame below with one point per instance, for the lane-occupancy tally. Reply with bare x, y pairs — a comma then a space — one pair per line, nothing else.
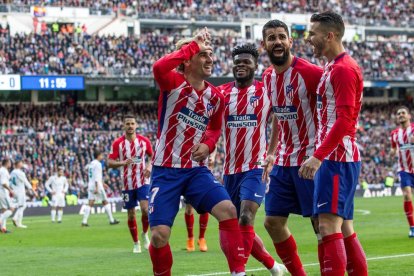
67, 136
388, 12
80, 53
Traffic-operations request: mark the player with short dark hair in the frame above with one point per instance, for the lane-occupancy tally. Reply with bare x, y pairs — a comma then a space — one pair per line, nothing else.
292, 82
189, 125
57, 185
402, 140
246, 113
128, 154
335, 165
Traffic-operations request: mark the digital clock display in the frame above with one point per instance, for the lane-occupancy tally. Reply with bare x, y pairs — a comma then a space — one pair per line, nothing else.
52, 83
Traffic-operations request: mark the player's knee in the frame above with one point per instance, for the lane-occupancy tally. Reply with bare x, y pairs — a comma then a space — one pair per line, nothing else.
273, 225
246, 218
159, 238
224, 210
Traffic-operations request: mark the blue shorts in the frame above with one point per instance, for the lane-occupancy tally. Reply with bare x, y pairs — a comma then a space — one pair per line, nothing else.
197, 185
335, 185
245, 186
132, 197
288, 193
407, 179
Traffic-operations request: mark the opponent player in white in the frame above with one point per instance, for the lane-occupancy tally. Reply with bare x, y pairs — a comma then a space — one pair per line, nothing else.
5, 193
96, 189
57, 186
18, 181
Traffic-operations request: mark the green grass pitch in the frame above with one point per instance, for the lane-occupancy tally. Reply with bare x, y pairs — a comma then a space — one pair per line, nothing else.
67, 249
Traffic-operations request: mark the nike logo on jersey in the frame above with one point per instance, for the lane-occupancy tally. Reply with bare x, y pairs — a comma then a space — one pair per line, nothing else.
256, 195
320, 205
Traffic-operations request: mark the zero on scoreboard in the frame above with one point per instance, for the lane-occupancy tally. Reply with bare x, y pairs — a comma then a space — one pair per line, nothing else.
52, 83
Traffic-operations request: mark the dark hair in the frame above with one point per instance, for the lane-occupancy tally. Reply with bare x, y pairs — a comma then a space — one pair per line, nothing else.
403, 107
246, 49
96, 153
273, 24
331, 20
129, 116
4, 162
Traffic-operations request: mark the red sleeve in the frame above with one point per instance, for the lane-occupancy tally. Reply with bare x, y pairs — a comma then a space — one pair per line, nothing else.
312, 78
339, 129
345, 84
163, 68
114, 154
213, 131
393, 143
149, 151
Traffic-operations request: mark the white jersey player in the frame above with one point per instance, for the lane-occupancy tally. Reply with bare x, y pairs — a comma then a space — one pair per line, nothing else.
57, 186
19, 183
96, 190
5, 193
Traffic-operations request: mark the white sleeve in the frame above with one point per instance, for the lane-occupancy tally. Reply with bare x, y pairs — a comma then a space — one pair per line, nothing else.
48, 184
26, 182
66, 186
97, 173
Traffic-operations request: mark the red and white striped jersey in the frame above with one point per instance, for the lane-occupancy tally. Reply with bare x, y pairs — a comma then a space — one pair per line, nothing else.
293, 95
246, 113
186, 117
122, 149
401, 139
341, 86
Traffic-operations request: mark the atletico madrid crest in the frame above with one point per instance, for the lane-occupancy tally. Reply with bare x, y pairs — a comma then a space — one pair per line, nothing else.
289, 91
210, 110
254, 101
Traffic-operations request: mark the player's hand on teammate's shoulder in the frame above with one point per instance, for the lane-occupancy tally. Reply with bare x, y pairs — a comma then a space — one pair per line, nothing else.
200, 152
267, 167
309, 168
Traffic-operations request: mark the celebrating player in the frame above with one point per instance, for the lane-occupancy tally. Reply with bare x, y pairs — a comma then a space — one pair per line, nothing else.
57, 186
96, 189
128, 154
292, 82
402, 140
5, 193
247, 110
190, 117
335, 165
18, 182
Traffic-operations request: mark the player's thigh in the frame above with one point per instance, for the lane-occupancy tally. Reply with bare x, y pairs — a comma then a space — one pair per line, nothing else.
60, 201
5, 202
129, 198
281, 199
252, 188
203, 192
20, 200
406, 179
164, 195
232, 185
335, 185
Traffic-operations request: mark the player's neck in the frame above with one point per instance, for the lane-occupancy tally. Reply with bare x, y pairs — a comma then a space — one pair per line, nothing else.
197, 83
282, 68
244, 84
335, 51
130, 137
405, 125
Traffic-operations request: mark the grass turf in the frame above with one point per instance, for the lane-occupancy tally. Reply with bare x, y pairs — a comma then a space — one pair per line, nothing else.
68, 249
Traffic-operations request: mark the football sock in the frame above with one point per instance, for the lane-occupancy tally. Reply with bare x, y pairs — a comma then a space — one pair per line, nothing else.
232, 245
86, 212
4, 218
189, 222
145, 223
334, 258
260, 253
408, 208
59, 215
53, 214
247, 232
357, 261
133, 229
288, 253
161, 260
203, 221
108, 212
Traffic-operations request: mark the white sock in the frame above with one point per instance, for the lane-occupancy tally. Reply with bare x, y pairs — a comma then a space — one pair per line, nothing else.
53, 214
16, 215
4, 218
109, 212
21, 215
86, 213
60, 214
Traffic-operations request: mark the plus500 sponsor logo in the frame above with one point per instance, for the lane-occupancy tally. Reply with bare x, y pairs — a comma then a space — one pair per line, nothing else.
284, 113
192, 119
240, 121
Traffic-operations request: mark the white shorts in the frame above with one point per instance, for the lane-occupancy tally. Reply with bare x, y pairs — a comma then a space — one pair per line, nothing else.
5, 201
100, 196
20, 200
58, 200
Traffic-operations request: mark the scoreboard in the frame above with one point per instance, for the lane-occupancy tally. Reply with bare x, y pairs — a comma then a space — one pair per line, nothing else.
61, 82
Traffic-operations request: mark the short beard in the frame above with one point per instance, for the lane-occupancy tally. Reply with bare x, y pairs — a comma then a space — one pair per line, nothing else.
246, 78
278, 61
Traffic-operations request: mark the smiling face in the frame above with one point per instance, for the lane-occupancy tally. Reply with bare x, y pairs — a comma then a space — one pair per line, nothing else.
244, 66
403, 116
201, 64
317, 38
277, 44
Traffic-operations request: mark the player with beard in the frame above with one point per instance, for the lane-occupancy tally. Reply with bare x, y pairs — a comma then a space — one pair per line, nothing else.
335, 165
292, 82
402, 140
246, 113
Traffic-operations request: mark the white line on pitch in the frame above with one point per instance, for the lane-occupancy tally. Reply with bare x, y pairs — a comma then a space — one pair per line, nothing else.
311, 264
